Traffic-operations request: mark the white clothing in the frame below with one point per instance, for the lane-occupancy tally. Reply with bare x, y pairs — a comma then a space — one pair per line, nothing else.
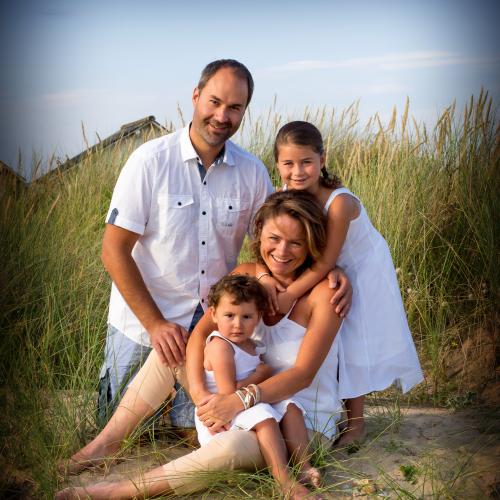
320, 402
376, 348
245, 364
191, 230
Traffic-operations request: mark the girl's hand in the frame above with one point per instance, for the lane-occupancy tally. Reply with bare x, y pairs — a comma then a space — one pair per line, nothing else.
342, 298
273, 287
217, 411
285, 302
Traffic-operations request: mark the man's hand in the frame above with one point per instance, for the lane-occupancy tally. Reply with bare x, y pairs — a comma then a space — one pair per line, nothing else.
169, 341
342, 298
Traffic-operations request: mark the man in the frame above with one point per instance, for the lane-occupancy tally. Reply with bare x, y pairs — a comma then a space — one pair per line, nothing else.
178, 216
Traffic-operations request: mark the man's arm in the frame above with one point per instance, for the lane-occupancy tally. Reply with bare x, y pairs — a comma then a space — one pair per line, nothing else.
168, 339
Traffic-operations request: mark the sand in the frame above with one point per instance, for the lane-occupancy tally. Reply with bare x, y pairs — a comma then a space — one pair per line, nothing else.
419, 452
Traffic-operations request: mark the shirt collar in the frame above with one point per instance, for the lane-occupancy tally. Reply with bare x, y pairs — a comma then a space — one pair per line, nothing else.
189, 153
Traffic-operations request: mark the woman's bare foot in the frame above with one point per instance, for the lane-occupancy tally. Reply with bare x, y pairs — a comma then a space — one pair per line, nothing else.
73, 493
98, 491
293, 490
309, 475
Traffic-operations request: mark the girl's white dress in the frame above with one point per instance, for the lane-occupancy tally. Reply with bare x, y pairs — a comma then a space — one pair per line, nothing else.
245, 364
376, 347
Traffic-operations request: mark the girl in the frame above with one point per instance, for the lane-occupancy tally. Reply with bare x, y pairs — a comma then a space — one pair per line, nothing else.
232, 361
376, 346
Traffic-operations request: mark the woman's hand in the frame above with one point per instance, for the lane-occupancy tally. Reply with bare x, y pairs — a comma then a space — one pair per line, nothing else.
217, 411
342, 298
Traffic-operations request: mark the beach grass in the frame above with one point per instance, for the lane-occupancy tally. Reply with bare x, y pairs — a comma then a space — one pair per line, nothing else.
431, 190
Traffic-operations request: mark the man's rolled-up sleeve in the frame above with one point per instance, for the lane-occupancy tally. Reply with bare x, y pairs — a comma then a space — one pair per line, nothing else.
131, 200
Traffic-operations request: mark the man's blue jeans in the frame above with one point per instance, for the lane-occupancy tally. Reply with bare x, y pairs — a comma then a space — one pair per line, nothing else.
122, 360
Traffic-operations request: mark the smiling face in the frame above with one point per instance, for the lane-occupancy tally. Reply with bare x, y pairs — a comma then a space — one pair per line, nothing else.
218, 109
283, 246
235, 322
300, 166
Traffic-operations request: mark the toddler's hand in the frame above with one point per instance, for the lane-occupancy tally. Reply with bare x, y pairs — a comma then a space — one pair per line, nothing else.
273, 287
263, 372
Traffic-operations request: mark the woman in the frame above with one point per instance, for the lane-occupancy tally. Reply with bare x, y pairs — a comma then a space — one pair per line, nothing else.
289, 233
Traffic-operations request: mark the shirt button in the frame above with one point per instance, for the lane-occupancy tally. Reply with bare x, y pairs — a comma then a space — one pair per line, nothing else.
204, 183
179, 203
202, 242
230, 207
202, 300
203, 213
202, 271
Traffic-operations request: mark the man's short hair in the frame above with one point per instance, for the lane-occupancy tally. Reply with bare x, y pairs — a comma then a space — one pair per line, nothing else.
241, 288
240, 69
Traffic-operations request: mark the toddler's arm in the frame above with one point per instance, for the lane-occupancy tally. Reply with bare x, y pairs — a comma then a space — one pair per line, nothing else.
219, 357
261, 373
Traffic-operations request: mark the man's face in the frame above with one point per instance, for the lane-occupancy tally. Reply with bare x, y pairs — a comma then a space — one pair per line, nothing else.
218, 108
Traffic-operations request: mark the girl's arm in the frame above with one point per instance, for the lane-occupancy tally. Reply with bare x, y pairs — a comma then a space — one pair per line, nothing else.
322, 327
343, 209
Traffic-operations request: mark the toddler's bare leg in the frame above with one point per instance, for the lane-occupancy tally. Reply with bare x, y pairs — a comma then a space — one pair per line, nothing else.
274, 451
151, 484
297, 441
355, 431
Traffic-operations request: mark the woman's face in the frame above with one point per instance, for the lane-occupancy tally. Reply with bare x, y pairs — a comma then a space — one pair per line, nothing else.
283, 246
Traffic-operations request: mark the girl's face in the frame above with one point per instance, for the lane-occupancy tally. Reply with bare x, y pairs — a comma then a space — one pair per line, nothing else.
283, 246
235, 322
300, 166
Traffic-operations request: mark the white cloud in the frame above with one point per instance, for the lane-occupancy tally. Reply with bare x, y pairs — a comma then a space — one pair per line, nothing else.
404, 60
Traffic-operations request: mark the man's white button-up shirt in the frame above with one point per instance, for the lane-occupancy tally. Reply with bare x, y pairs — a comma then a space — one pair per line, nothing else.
191, 230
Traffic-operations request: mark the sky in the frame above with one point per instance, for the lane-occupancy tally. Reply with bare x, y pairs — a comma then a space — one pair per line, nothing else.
106, 63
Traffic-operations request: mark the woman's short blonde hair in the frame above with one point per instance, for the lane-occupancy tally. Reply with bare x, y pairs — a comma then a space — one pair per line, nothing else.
301, 206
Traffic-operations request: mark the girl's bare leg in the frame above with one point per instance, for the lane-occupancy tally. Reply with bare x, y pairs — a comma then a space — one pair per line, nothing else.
355, 431
150, 484
131, 411
274, 451
297, 441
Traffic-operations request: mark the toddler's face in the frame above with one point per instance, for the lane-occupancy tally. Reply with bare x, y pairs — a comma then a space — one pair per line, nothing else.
235, 322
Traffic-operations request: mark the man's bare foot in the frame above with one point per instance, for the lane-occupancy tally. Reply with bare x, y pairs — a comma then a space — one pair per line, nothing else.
90, 456
309, 475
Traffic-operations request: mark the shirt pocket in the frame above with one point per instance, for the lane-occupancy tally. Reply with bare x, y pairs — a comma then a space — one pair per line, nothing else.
176, 212
230, 215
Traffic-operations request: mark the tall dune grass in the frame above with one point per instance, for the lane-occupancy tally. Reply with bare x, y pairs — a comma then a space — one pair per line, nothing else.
431, 191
